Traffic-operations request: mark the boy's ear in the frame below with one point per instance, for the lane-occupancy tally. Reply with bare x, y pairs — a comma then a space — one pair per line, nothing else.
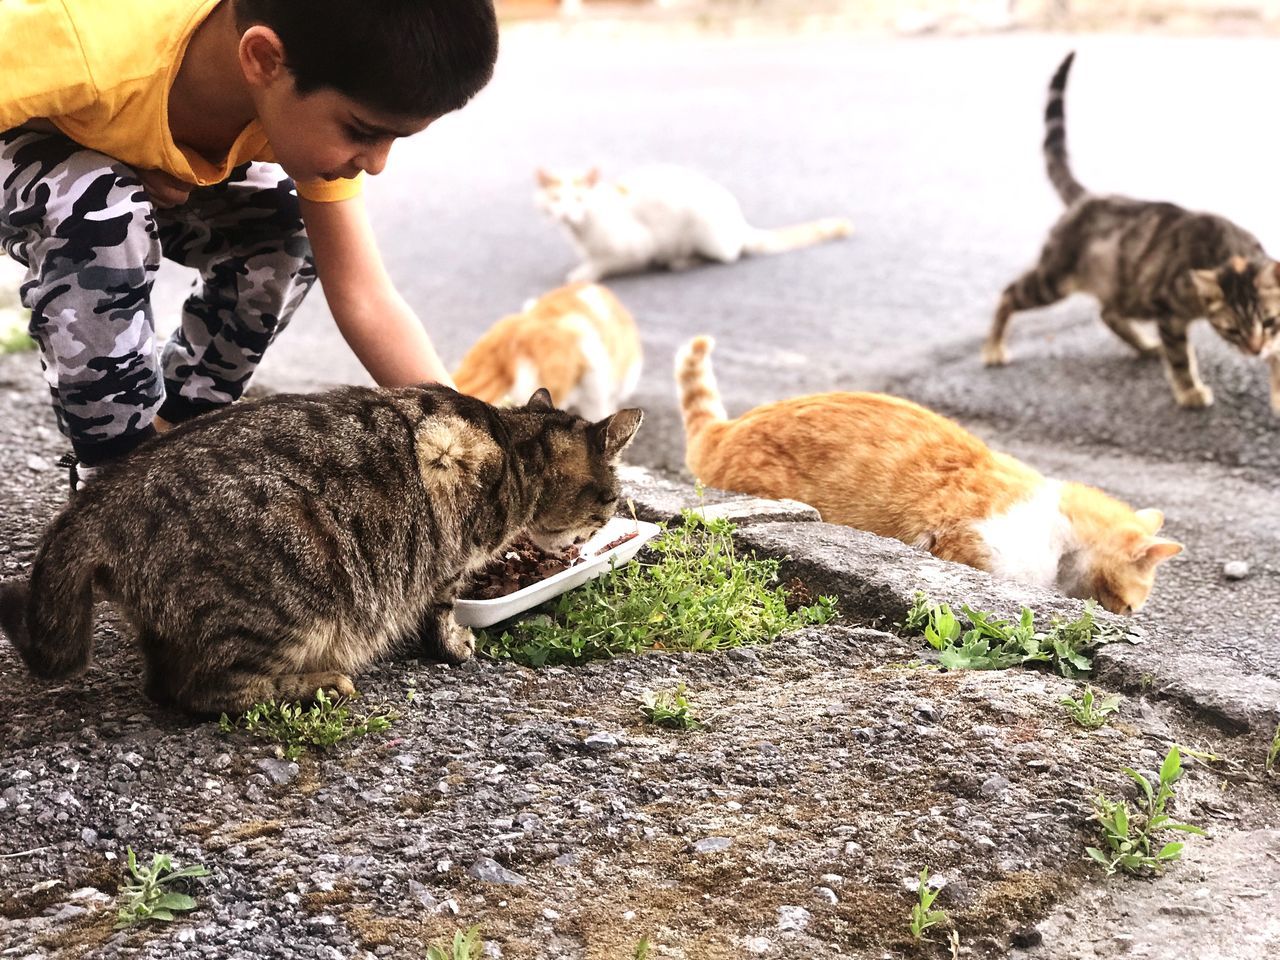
262, 55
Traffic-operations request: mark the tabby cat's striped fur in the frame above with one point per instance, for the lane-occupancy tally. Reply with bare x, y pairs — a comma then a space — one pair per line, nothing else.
277, 546
1148, 261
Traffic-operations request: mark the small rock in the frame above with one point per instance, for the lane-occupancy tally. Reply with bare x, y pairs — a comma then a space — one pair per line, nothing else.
994, 786
601, 742
89, 836
38, 464
758, 945
1026, 937
713, 844
793, 918
490, 871
1235, 570
278, 771
827, 894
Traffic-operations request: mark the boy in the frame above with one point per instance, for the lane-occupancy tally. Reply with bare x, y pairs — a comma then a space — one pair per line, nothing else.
135, 129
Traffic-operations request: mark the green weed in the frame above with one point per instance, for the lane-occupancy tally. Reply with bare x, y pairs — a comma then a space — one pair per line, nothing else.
146, 894
693, 593
14, 337
993, 644
642, 949
670, 708
465, 946
1274, 752
322, 724
923, 916
1089, 711
1130, 836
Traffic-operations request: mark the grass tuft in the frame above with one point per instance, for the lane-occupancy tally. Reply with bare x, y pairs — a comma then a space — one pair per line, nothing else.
1090, 711
465, 946
146, 894
321, 725
694, 592
670, 708
923, 916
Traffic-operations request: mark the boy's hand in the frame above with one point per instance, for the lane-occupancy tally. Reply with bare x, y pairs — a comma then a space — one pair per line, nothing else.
164, 189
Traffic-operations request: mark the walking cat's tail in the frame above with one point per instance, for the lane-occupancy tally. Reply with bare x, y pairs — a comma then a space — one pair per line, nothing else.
782, 239
699, 396
1055, 137
49, 618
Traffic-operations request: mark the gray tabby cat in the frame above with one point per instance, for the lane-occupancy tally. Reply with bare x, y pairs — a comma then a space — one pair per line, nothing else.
277, 546
1148, 261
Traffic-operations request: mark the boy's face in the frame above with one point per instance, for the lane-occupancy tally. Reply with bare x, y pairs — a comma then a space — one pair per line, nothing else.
322, 134
325, 134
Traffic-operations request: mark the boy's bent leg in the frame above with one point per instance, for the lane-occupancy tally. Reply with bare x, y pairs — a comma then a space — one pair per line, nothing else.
247, 239
82, 225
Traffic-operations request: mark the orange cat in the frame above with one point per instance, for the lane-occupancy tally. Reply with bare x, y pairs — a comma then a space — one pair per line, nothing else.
577, 341
887, 465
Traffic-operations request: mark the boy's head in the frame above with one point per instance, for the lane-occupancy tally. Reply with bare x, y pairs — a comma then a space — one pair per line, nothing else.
337, 81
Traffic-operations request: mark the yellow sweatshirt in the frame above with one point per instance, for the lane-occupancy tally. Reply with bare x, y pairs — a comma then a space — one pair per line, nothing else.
101, 71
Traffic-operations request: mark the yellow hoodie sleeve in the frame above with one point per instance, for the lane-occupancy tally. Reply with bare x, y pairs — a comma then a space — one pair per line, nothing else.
43, 72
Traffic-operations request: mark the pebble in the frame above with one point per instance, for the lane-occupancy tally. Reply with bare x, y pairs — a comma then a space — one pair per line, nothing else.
38, 464
994, 786
490, 871
758, 945
279, 771
793, 918
713, 844
827, 894
1235, 570
601, 742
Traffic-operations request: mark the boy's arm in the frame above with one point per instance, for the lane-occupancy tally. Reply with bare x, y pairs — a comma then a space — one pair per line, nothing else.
381, 328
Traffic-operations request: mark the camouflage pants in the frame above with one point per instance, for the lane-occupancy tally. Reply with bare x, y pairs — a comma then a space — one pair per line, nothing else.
92, 241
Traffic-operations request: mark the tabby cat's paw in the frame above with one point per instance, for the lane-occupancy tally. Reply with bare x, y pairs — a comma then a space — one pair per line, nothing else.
1194, 398
584, 273
995, 354
458, 645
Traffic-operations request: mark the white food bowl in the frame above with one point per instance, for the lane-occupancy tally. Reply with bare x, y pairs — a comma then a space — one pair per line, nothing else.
484, 613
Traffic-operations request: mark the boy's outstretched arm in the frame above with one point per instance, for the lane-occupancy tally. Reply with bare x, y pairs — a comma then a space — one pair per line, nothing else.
381, 328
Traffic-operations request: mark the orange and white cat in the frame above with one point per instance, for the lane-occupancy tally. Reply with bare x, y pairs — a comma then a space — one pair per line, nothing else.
662, 216
887, 465
578, 341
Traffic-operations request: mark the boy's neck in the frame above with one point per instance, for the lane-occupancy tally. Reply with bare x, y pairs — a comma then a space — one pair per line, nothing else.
209, 103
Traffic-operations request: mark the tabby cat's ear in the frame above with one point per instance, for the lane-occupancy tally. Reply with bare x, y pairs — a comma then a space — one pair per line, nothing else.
541, 400
612, 434
1156, 551
591, 177
1206, 284
1150, 520
545, 179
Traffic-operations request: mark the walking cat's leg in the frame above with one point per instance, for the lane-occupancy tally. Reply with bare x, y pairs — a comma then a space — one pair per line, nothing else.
1273, 362
1123, 328
235, 691
440, 637
1180, 366
1035, 288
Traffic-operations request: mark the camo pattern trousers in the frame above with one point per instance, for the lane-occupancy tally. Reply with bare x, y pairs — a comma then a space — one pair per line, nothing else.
91, 240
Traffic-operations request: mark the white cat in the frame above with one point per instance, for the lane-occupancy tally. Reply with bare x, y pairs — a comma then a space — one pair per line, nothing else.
661, 216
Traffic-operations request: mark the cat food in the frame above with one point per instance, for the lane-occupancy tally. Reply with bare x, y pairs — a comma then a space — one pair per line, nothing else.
521, 565
617, 543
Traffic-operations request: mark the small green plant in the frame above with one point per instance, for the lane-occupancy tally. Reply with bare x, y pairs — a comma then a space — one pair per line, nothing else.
13, 336
1090, 711
697, 594
670, 708
923, 916
465, 946
642, 949
994, 644
1130, 836
322, 724
146, 894
1274, 752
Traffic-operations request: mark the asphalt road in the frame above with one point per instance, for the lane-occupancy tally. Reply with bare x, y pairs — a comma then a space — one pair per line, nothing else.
932, 147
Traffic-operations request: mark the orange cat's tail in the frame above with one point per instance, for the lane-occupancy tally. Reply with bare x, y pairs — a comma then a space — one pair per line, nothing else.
699, 396
782, 239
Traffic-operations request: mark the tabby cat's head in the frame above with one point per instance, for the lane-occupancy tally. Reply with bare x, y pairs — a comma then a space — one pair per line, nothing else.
565, 195
580, 488
1118, 550
1241, 299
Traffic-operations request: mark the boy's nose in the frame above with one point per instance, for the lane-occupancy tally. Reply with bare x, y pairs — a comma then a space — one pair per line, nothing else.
373, 160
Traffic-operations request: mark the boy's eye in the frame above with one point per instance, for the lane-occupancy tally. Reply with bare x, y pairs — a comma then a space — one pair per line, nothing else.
356, 135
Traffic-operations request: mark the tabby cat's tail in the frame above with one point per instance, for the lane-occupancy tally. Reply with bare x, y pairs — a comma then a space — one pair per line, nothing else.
699, 396
782, 239
1055, 137
49, 618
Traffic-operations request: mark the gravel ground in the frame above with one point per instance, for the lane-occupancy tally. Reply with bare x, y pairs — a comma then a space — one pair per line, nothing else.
537, 804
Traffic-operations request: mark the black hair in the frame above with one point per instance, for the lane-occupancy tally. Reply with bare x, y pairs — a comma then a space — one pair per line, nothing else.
412, 58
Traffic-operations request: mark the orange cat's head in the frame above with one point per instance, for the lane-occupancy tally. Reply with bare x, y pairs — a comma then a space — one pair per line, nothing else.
1118, 550
563, 195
